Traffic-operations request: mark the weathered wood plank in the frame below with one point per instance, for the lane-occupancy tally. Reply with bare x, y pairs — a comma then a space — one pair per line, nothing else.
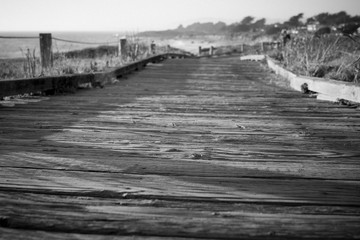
8, 233
241, 189
202, 148
157, 217
211, 163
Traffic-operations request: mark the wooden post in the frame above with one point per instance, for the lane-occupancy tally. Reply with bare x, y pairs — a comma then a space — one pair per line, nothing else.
152, 48
119, 49
46, 50
211, 51
122, 47
136, 52
262, 46
242, 47
199, 50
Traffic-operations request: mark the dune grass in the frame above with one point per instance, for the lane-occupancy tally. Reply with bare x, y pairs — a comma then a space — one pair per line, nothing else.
328, 56
334, 57
331, 56
86, 60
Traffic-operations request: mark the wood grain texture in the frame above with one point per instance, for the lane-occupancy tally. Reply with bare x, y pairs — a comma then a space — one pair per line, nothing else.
207, 148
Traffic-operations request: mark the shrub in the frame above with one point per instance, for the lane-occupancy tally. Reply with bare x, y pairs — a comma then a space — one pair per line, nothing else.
327, 56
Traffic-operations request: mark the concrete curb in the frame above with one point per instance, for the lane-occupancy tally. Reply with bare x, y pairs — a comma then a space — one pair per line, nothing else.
327, 89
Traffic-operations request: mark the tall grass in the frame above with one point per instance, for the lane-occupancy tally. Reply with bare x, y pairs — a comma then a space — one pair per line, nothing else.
78, 61
30, 63
330, 56
10, 69
25, 67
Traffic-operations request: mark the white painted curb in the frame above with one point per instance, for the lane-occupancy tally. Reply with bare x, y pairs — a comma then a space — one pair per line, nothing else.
327, 89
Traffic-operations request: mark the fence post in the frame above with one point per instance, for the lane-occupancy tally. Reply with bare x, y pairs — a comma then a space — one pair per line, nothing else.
119, 49
122, 47
46, 50
200, 50
262, 46
152, 47
136, 52
211, 51
242, 47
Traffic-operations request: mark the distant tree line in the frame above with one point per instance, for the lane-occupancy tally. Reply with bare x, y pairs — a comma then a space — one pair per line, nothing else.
249, 24
333, 19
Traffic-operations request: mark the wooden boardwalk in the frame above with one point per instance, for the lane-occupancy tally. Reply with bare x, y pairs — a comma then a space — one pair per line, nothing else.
189, 148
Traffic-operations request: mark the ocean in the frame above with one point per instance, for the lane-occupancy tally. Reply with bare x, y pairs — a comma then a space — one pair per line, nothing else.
16, 48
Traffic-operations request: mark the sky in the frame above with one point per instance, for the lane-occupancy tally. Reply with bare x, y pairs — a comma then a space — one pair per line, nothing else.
142, 15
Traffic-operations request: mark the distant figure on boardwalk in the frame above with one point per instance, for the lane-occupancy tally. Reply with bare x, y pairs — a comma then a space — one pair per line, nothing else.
285, 37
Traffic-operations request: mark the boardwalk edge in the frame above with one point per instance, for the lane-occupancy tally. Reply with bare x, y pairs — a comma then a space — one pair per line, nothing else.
326, 89
70, 82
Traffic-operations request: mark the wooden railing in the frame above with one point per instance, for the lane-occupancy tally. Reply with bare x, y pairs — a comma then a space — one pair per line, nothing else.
46, 46
206, 51
70, 82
